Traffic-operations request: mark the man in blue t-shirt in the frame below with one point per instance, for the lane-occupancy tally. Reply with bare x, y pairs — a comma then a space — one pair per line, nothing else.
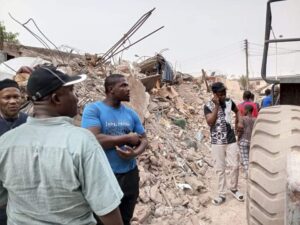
122, 135
267, 100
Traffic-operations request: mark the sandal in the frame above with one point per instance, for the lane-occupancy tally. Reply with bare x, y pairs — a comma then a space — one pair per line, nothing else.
218, 200
239, 196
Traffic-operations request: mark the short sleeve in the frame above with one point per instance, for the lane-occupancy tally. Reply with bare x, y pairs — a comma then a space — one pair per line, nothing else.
233, 106
206, 110
3, 195
99, 185
91, 116
138, 126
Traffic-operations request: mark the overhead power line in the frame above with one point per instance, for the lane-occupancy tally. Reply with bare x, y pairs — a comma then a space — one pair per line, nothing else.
261, 45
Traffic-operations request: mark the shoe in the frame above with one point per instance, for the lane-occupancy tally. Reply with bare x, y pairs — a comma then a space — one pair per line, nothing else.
218, 200
239, 196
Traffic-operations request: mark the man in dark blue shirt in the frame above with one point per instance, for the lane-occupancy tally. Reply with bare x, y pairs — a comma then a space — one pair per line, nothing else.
10, 117
10, 102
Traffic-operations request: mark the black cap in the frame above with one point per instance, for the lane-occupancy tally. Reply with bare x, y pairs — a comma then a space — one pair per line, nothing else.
7, 83
217, 87
46, 79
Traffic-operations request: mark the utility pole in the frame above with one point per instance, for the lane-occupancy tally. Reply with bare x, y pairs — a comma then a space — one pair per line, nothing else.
247, 69
1, 38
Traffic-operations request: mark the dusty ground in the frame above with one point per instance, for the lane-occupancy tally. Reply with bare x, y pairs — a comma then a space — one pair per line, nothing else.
232, 211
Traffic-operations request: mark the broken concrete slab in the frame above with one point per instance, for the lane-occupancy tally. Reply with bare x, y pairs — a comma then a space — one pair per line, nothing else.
139, 98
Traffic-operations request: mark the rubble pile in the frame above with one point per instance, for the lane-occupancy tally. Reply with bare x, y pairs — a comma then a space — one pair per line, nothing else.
173, 185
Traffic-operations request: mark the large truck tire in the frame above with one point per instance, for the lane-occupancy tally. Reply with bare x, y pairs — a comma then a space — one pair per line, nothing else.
275, 136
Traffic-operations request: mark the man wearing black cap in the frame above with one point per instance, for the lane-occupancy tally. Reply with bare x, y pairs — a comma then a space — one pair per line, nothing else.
10, 117
223, 141
52, 172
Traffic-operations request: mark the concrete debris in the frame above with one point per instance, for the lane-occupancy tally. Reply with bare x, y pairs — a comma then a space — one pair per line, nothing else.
173, 169
139, 98
167, 92
184, 186
142, 212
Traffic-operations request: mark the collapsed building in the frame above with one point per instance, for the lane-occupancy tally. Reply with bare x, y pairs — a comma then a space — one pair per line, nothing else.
174, 185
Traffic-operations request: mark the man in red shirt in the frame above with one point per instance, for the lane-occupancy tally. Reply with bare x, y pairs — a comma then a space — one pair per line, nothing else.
247, 101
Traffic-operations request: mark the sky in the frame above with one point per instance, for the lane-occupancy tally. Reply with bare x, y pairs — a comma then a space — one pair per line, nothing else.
198, 34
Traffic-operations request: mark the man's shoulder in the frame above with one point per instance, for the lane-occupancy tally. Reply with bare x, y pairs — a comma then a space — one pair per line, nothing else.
208, 107
266, 98
128, 109
23, 116
81, 138
229, 100
92, 108
253, 104
95, 104
8, 137
209, 104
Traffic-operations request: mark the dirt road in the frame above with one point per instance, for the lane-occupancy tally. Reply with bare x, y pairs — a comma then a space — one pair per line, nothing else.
232, 212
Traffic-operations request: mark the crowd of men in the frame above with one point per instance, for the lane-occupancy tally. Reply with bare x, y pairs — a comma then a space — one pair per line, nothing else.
52, 172
229, 146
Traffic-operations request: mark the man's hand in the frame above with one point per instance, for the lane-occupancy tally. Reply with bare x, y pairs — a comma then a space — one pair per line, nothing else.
127, 153
239, 128
216, 100
133, 139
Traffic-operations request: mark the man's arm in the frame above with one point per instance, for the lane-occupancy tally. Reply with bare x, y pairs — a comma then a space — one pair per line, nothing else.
112, 218
238, 119
130, 153
239, 133
101, 190
110, 141
143, 144
211, 118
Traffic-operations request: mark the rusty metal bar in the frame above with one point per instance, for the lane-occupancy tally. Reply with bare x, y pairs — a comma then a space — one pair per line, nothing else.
135, 42
128, 34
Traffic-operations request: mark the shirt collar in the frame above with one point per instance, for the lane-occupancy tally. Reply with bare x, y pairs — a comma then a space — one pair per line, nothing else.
51, 120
